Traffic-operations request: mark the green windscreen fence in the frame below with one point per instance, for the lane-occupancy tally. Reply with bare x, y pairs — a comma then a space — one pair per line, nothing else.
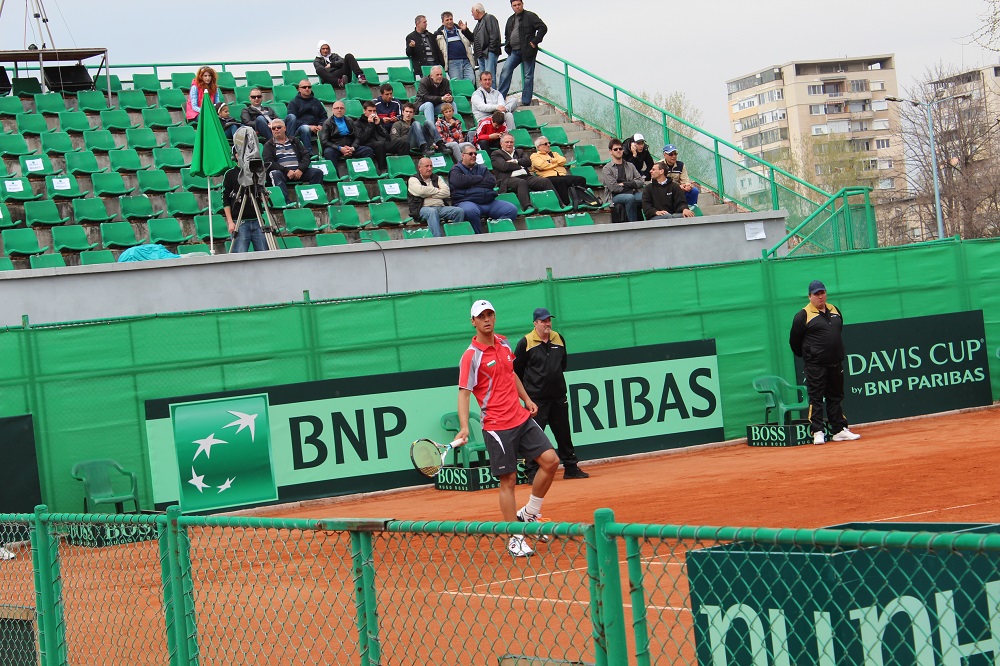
86, 383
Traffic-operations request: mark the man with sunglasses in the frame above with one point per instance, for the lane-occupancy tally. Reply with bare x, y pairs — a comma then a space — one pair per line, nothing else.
622, 183
306, 115
259, 117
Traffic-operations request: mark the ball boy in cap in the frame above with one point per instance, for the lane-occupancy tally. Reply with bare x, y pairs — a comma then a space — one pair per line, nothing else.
487, 371
816, 337
539, 362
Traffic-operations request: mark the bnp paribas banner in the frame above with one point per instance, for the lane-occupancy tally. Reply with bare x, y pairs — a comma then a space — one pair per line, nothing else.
340, 436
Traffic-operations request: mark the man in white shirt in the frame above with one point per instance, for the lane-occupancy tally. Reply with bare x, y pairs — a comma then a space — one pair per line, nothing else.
487, 99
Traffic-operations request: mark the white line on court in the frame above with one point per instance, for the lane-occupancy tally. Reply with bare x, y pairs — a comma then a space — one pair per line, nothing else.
524, 578
568, 602
923, 513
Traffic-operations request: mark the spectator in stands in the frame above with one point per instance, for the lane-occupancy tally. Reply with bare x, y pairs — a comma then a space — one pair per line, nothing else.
332, 69
339, 138
206, 82
286, 159
258, 116
662, 198
487, 99
510, 166
636, 151
388, 108
229, 124
677, 172
428, 197
489, 131
237, 205
416, 134
551, 165
622, 183
523, 34
456, 49
472, 190
433, 91
306, 114
422, 47
449, 128
485, 39
372, 133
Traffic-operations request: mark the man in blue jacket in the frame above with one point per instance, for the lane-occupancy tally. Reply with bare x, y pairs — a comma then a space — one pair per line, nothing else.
472, 190
306, 114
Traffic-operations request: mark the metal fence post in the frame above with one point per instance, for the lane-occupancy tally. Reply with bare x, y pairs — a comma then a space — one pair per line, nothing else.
718, 173
185, 623
775, 203
365, 598
48, 592
569, 89
618, 113
167, 582
640, 628
612, 608
596, 619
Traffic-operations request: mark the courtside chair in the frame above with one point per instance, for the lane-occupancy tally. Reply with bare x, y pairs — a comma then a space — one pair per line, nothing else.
21, 242
32, 124
17, 189
352, 192
184, 204
450, 423
585, 154
101, 83
90, 211
132, 100
109, 185
94, 257
400, 166
42, 213
158, 118
99, 141
259, 78
10, 107
37, 166
328, 239
511, 198
155, 181
83, 163
14, 145
182, 80
167, 230
557, 136
499, 226
220, 229
302, 221
105, 481
117, 120
138, 207
169, 158
311, 195
291, 77
392, 189
58, 143
172, 98
50, 104
47, 261
539, 222
781, 396
92, 101
146, 82
181, 136
126, 160
386, 215
547, 201
119, 234
525, 118
343, 217
401, 74
71, 238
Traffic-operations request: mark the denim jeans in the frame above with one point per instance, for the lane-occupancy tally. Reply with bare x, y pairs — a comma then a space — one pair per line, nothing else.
420, 135
433, 215
279, 178
302, 131
333, 154
461, 69
431, 111
248, 232
498, 210
631, 201
489, 64
692, 196
528, 67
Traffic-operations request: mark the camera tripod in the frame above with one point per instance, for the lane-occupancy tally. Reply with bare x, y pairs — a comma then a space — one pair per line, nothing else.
257, 196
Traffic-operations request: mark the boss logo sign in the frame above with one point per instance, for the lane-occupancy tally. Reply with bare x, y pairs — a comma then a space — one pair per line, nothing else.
99, 536
795, 434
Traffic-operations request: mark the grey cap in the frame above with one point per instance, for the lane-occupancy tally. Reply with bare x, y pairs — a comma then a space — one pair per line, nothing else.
815, 286
541, 314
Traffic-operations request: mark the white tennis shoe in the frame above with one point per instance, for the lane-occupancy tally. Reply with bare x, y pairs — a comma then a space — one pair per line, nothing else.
518, 547
525, 517
819, 437
6, 554
846, 435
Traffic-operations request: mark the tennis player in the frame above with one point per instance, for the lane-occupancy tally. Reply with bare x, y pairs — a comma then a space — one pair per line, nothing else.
487, 371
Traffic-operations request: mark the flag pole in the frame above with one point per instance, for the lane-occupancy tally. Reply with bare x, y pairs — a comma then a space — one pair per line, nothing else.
211, 228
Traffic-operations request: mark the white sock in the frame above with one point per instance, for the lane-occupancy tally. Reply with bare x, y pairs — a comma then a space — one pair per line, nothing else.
534, 505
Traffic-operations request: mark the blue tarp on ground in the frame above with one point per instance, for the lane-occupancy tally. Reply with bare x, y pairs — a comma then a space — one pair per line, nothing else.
147, 252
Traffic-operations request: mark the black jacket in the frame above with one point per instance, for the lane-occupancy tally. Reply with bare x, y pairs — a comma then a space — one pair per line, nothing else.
249, 115
330, 134
643, 162
428, 91
368, 134
271, 159
669, 197
502, 168
307, 111
485, 38
532, 31
540, 366
416, 53
816, 336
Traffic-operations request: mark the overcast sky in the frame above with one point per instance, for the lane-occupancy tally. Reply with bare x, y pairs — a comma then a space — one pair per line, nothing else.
649, 45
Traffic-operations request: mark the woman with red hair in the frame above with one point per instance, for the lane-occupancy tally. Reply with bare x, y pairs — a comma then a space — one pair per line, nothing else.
206, 82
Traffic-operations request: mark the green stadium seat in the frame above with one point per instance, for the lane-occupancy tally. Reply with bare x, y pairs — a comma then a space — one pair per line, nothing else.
32, 124
58, 143
696, 210
117, 119
146, 82
155, 181
137, 207
83, 163
276, 199
169, 158
329, 171
547, 201
525, 119
119, 234
194, 248
90, 211
522, 139
400, 166
557, 136
374, 236
441, 164
280, 109
426, 71
498, 226
358, 91
50, 104
511, 198
37, 166
291, 77
482, 157
462, 87
184, 204
311, 195
353, 108
17, 189
132, 100
587, 155
458, 229
539, 222
21, 241
343, 217
219, 227
589, 175
96, 257
63, 187
11, 106
109, 185
353, 192
92, 101
102, 81
189, 181
325, 93
42, 213
227, 82
126, 160
462, 105
99, 141
371, 75
259, 78
414, 234
172, 98
288, 242
181, 136
6, 264
47, 261
6, 221
363, 169
579, 220
302, 221
167, 230
158, 118
401, 74
14, 145
242, 94
25, 86
328, 239
285, 94
386, 215
392, 189
71, 238
182, 80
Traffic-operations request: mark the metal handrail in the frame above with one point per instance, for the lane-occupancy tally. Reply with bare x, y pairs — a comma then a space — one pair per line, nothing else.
843, 193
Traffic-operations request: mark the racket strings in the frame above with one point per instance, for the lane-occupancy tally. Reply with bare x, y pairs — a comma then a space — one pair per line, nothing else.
426, 457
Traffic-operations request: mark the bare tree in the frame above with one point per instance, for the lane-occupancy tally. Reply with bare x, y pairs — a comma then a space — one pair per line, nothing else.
988, 34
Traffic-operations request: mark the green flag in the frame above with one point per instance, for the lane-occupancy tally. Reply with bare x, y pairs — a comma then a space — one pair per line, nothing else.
223, 450
212, 154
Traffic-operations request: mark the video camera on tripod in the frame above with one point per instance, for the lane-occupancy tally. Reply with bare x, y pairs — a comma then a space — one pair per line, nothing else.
252, 180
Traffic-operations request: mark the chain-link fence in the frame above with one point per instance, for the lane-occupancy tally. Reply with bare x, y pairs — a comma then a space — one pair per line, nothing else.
183, 590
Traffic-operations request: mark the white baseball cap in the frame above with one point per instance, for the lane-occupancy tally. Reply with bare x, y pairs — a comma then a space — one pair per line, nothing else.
481, 306
638, 137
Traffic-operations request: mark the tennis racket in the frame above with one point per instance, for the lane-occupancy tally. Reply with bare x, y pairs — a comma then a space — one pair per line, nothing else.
428, 456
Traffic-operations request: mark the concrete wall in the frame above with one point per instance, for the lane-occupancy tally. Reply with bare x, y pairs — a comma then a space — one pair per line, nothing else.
199, 282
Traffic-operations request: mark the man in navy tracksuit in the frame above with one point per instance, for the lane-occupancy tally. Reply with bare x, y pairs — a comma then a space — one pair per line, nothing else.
816, 337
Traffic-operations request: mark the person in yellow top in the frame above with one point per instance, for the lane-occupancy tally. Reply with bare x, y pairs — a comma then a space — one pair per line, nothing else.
551, 165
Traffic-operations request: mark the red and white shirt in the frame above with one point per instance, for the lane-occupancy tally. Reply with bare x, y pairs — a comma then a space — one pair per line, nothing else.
488, 371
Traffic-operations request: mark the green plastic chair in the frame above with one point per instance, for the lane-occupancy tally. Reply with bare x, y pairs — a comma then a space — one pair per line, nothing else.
482, 157
353, 108
125, 160
392, 189
63, 187
328, 239
117, 119
585, 154
557, 136
169, 158
189, 181
547, 201
539, 222
219, 229
172, 98
17, 189
522, 139
25, 86
311, 195
158, 118
589, 175
329, 171
353, 192
182, 80
579, 220
288, 242
138, 207
414, 234
458, 229
284, 93
463, 87
155, 181
450, 423
696, 210
132, 100
83, 162
14, 145
110, 185
401, 74
167, 230
102, 484
363, 169
343, 217
387, 215
95, 257
325, 93
11, 106
32, 124
400, 166
184, 204
43, 213
276, 199
102, 82
511, 198
499, 226
6, 264
47, 261
37, 166
99, 141
146, 82
525, 119
302, 221
181, 136
227, 81
358, 91
441, 164
291, 77
92, 101
58, 143
71, 238
76, 122
90, 211
781, 396
6, 221
21, 241
259, 78
374, 236
195, 248
463, 105
119, 234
